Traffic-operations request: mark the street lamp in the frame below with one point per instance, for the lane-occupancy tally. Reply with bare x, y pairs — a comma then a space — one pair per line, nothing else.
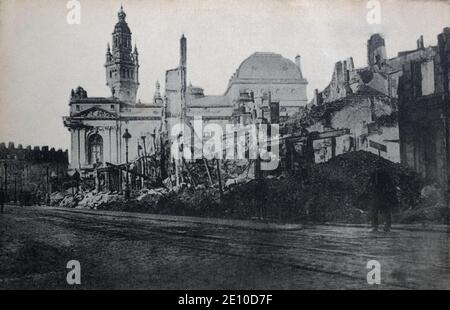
145, 155
141, 170
127, 136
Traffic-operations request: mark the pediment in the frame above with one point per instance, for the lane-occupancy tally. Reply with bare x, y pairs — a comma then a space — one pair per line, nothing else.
96, 113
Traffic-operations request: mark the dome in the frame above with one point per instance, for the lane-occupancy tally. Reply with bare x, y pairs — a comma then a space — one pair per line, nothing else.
268, 66
122, 27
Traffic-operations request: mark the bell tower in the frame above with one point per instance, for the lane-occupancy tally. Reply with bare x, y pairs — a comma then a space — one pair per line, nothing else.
122, 63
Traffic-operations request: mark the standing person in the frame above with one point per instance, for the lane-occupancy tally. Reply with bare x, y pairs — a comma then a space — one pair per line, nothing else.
384, 197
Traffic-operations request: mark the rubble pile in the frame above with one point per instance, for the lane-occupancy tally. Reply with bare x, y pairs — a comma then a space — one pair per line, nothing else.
334, 191
430, 209
56, 198
83, 199
96, 200
193, 202
342, 184
230, 169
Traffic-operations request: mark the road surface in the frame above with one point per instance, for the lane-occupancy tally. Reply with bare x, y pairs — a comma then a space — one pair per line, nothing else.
130, 250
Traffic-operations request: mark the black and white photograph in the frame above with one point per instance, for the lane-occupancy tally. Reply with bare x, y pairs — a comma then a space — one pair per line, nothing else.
234, 146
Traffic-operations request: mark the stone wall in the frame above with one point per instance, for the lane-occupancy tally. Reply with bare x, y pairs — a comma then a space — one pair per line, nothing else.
31, 170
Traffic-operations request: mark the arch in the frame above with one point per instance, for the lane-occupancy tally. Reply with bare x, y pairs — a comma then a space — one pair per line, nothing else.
95, 149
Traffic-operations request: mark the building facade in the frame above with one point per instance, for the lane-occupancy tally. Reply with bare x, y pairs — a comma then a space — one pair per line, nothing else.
424, 109
97, 124
364, 100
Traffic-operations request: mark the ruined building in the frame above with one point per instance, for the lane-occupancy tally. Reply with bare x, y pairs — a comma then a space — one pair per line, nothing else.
365, 100
424, 109
97, 124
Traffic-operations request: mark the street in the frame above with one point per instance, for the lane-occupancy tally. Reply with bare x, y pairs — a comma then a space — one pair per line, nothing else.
130, 250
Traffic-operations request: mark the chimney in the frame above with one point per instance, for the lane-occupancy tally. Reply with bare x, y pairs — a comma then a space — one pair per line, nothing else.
183, 51
317, 99
297, 62
420, 43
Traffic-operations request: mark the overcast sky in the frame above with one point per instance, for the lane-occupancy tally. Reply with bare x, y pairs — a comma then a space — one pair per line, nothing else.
42, 57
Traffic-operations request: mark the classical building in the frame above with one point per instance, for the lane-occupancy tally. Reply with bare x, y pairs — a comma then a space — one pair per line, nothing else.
265, 82
97, 124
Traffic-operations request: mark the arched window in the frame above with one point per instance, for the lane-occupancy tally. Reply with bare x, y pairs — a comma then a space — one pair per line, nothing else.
95, 149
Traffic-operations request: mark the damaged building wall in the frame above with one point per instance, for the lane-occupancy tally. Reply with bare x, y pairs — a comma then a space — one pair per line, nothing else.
424, 113
381, 73
364, 100
368, 117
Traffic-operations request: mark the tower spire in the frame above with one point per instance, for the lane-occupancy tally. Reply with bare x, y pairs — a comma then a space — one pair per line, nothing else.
121, 14
122, 66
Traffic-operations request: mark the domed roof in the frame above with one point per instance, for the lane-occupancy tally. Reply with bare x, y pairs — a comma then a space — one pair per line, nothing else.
122, 25
268, 66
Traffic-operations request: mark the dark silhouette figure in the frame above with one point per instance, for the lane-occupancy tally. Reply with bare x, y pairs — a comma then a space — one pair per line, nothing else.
2, 199
384, 198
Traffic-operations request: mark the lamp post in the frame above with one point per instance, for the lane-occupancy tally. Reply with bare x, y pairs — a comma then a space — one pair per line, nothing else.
127, 136
141, 170
145, 155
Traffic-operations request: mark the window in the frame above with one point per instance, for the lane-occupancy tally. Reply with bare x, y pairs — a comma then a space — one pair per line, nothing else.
77, 107
427, 73
95, 149
112, 107
110, 74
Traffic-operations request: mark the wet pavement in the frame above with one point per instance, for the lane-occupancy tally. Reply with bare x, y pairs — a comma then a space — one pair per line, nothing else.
130, 250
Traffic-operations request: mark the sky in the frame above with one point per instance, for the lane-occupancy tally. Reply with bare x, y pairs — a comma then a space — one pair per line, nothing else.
42, 56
